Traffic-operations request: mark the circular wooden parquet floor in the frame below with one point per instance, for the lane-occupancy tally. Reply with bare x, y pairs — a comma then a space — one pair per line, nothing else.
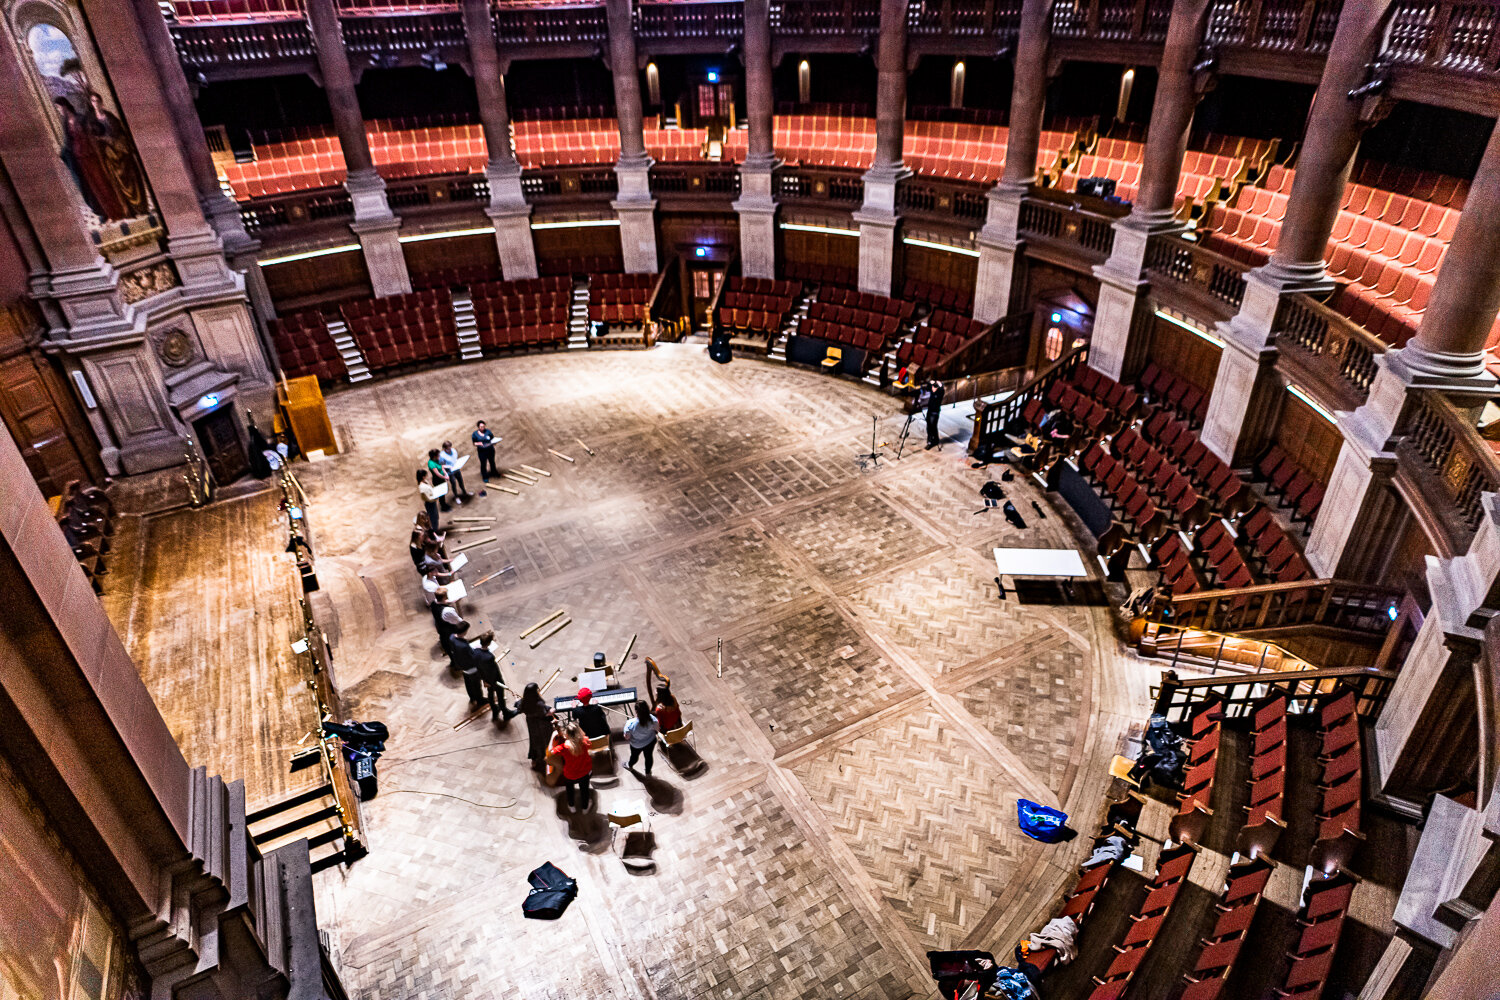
878, 714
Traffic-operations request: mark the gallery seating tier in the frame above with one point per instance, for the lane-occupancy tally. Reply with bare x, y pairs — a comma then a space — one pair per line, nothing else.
955, 300
942, 335
530, 312
619, 298
1203, 175
304, 346
1295, 486
402, 329
455, 277
756, 305
1165, 387
855, 319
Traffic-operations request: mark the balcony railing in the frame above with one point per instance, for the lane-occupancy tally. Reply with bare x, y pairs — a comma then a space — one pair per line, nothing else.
944, 201
689, 20
1452, 466
1112, 20
997, 19
1331, 346
558, 184
540, 25
846, 18
1069, 224
1443, 34
695, 179
294, 209
1202, 273
1277, 25
418, 32
828, 187
205, 44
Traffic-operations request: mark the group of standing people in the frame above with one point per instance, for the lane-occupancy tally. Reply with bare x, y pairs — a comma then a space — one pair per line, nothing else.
441, 480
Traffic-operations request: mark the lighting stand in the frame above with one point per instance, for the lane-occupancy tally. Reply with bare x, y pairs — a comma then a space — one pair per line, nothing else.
873, 456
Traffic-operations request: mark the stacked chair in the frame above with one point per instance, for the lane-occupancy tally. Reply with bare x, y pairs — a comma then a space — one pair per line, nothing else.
304, 346
531, 312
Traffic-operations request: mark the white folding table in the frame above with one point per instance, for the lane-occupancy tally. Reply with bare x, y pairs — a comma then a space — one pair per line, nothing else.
1053, 564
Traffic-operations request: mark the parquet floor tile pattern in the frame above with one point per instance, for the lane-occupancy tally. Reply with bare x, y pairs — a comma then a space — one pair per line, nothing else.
858, 757
923, 811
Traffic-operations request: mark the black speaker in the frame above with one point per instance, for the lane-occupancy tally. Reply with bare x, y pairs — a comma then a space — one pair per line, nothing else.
1098, 187
719, 349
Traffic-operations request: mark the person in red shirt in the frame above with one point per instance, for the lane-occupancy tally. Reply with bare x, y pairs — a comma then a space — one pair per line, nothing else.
668, 712
577, 762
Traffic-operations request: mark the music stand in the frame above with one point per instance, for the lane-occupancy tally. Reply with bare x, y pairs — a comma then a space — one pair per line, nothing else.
873, 456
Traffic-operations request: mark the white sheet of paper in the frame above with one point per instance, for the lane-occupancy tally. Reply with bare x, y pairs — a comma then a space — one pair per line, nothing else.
463, 460
439, 491
459, 561
457, 591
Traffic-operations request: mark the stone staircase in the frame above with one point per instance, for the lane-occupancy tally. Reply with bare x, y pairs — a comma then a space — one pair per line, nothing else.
359, 369
468, 330
578, 316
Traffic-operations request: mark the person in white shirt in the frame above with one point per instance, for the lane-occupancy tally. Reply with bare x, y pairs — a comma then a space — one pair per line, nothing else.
429, 498
430, 585
448, 458
641, 732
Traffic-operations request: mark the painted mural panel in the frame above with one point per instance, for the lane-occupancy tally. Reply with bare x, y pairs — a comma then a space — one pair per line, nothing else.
92, 138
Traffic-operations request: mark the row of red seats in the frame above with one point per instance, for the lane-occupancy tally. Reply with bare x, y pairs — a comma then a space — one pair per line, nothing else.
1293, 484
619, 298
942, 334
1124, 493
767, 320
1195, 805
529, 312
495, 331
304, 346
1244, 887
524, 292
839, 333
955, 300
1079, 901
1215, 543
1263, 825
1174, 564
866, 302
591, 264
821, 274
763, 286
1167, 387
455, 277
402, 329
1271, 547
1202, 174
1162, 477
1342, 781
1227, 492
1440, 189
1120, 398
1327, 899
1171, 875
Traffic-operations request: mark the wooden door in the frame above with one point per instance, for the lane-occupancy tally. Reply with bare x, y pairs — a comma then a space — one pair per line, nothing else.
219, 437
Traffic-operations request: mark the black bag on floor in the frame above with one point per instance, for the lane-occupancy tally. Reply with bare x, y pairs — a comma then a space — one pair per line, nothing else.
551, 892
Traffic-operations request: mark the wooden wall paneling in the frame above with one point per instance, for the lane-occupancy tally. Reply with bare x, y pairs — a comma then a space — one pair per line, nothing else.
799, 247
38, 408
301, 284
938, 267
1184, 352
1308, 437
566, 244
681, 232
456, 251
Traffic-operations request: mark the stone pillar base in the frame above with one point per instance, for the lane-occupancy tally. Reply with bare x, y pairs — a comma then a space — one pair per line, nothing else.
877, 221
1120, 285
513, 240
757, 211
636, 210
999, 243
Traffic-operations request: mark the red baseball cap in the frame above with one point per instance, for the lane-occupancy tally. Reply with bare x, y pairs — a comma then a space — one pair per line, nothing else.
584, 694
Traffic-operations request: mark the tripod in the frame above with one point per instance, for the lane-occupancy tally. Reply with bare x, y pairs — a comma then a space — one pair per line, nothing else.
873, 456
905, 433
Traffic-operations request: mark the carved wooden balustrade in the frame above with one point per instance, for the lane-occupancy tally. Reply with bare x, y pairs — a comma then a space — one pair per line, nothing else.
1209, 281
695, 180
942, 201
1335, 356
822, 186
1067, 226
1446, 465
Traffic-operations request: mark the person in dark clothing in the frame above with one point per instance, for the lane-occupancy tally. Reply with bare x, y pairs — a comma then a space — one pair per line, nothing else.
429, 497
538, 725
482, 655
934, 409
448, 621
484, 446
590, 717
461, 658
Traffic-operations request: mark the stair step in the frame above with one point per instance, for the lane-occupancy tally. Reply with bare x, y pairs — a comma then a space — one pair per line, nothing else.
329, 811
359, 377
287, 804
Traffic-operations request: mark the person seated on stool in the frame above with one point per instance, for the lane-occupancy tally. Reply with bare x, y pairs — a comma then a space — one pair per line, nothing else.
577, 762
668, 712
590, 717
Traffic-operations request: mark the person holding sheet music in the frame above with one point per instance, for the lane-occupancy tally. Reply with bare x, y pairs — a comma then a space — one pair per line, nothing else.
483, 657
484, 446
440, 482
430, 497
453, 465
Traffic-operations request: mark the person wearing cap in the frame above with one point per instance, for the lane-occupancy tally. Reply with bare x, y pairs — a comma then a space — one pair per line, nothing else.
590, 717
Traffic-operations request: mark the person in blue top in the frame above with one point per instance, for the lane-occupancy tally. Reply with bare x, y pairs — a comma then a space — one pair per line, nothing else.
641, 733
484, 446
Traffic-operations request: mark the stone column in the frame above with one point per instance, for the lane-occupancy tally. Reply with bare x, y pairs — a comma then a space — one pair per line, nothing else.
999, 240
756, 205
1446, 355
877, 216
1334, 126
223, 214
508, 209
374, 223
633, 204
1154, 211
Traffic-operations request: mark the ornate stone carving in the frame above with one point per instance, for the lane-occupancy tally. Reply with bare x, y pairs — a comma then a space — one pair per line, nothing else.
174, 347
147, 281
